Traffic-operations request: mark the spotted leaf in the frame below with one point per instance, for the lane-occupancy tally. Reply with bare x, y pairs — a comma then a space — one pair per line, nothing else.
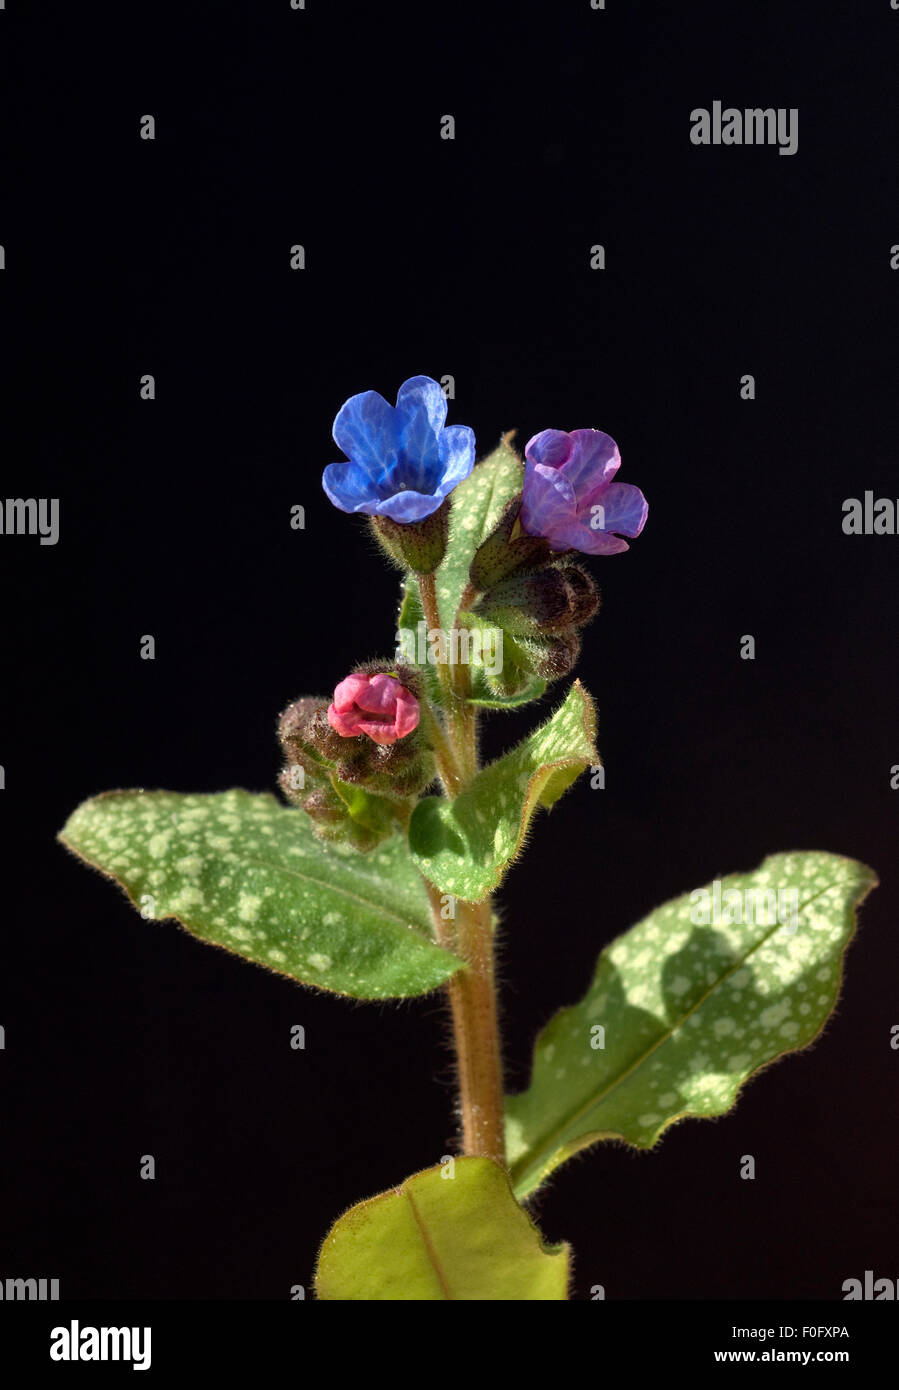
686, 1006
245, 873
465, 846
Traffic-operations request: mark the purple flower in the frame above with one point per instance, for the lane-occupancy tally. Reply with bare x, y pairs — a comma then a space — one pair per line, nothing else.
403, 460
569, 497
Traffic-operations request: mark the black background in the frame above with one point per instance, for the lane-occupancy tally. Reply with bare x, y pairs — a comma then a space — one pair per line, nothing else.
471, 258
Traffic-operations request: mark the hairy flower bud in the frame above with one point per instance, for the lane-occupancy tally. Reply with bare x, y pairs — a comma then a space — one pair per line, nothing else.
357, 786
507, 551
552, 600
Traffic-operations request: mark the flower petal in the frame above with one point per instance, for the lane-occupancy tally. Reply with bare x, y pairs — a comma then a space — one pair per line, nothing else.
406, 506
549, 447
408, 713
347, 693
548, 500
457, 449
345, 723
349, 487
421, 412
377, 731
624, 509
578, 535
367, 429
593, 463
379, 694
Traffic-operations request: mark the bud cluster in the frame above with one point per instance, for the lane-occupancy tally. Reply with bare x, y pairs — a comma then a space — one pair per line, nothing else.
355, 788
536, 596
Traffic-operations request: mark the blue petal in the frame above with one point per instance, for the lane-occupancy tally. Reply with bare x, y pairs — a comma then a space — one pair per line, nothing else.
349, 487
408, 506
421, 412
367, 429
456, 446
422, 396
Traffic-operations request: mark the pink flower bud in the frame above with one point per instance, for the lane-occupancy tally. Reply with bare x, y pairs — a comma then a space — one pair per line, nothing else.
374, 705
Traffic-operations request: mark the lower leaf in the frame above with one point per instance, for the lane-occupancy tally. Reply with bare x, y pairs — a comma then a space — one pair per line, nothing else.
449, 1233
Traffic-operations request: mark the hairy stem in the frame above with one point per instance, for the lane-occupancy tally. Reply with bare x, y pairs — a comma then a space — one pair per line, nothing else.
444, 754
465, 718
473, 1001
427, 587
467, 929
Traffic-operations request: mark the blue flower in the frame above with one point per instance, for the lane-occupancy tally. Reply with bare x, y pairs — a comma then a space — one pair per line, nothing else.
403, 460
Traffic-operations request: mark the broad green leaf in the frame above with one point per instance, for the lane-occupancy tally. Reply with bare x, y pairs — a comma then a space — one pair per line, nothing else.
245, 873
476, 509
464, 847
449, 1233
686, 1006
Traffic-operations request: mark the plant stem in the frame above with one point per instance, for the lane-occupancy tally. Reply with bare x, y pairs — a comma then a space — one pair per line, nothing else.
469, 933
465, 718
472, 997
427, 587
444, 754
473, 1001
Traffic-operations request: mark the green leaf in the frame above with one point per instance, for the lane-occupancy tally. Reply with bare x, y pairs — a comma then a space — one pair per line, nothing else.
465, 846
245, 873
373, 812
449, 1233
688, 1005
487, 700
477, 506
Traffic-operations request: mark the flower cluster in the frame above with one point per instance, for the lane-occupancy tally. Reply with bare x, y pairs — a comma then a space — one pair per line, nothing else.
363, 757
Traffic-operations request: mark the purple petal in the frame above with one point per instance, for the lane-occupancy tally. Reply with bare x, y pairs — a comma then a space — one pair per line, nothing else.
549, 447
548, 500
593, 464
624, 509
577, 535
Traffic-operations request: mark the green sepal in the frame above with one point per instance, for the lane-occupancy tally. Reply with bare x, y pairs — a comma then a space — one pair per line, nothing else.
415, 545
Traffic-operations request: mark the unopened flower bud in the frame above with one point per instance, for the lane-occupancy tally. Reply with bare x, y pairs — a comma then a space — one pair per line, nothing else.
377, 706
552, 600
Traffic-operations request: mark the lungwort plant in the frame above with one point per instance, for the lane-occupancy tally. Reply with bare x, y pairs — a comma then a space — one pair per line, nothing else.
375, 881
